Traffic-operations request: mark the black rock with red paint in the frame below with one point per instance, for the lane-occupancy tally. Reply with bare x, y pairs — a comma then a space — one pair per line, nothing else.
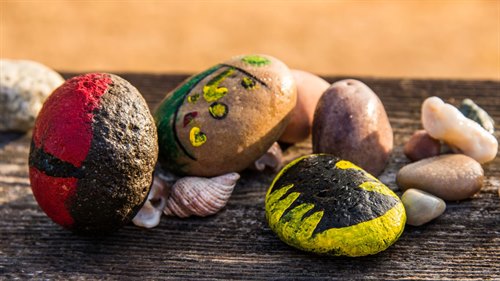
93, 153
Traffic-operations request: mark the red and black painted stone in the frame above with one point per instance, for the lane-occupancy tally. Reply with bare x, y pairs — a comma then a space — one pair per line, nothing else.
93, 153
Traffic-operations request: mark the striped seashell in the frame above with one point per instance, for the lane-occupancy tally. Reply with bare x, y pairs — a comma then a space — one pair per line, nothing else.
200, 196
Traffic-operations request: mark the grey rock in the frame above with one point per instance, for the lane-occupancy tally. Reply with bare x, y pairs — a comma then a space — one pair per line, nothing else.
24, 86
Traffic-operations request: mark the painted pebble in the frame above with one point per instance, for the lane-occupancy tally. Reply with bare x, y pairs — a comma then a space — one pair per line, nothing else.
472, 111
309, 89
445, 122
223, 119
93, 153
421, 207
325, 205
450, 177
350, 122
24, 86
421, 146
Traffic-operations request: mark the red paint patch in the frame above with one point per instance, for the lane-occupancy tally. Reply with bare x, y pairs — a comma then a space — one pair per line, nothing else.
64, 126
51, 194
189, 117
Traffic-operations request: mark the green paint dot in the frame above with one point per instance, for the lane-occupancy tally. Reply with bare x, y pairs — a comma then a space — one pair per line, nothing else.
218, 110
255, 60
248, 83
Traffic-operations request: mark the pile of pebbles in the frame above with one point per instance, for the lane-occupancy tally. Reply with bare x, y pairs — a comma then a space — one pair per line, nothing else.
447, 157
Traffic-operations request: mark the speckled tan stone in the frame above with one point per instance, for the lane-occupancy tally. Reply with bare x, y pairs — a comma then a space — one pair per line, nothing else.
450, 177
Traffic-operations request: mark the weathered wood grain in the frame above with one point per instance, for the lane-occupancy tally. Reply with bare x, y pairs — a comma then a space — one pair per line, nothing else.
464, 243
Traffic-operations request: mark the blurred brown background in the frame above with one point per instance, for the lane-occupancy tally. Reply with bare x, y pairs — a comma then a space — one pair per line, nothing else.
423, 39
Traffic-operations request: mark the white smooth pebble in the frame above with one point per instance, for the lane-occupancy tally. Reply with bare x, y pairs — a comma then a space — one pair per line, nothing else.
421, 207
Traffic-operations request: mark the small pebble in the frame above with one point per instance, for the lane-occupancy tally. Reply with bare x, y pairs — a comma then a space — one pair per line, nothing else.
350, 122
445, 122
472, 111
421, 146
24, 86
421, 207
309, 89
450, 177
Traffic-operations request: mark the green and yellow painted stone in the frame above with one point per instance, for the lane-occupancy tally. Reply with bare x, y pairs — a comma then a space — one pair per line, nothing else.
223, 119
320, 203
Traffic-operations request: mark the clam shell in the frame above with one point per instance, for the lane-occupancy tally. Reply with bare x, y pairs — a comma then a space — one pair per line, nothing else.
200, 196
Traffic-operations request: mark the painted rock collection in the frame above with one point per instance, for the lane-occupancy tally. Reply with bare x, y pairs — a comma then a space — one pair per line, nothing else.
93, 153
24, 86
351, 123
95, 146
223, 119
322, 204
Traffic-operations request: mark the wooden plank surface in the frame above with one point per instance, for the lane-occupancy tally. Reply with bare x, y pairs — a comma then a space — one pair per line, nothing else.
464, 243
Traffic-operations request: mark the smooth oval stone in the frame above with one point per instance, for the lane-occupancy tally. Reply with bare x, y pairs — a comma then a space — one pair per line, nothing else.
421, 146
322, 204
450, 177
24, 86
350, 122
421, 207
93, 153
223, 119
310, 87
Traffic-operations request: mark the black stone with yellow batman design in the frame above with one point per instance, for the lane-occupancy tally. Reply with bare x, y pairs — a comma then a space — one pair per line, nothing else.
333, 190
322, 204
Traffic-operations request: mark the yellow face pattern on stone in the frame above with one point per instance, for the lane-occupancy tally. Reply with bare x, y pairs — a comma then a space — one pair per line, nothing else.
218, 110
212, 92
322, 204
197, 137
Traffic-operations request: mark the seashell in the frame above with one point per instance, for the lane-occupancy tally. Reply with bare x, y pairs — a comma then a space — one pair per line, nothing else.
150, 213
273, 159
445, 122
200, 196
